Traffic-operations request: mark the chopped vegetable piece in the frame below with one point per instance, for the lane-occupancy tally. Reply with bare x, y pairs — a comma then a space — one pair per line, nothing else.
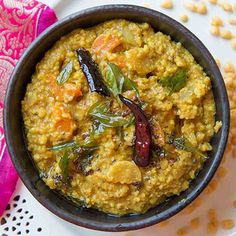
66, 92
176, 82
91, 72
65, 125
65, 73
105, 43
124, 172
142, 133
100, 112
63, 164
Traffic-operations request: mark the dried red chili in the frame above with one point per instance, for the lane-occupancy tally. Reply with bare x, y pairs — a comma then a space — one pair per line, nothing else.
91, 72
142, 133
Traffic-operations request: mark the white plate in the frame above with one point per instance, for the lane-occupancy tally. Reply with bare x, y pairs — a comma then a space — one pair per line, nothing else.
221, 199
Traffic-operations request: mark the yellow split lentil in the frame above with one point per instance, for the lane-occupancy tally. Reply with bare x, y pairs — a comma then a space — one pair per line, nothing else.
227, 224
55, 114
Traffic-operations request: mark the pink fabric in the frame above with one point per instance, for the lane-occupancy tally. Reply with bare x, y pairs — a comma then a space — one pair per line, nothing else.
20, 23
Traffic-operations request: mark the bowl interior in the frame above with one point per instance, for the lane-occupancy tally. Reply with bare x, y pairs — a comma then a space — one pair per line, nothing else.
15, 132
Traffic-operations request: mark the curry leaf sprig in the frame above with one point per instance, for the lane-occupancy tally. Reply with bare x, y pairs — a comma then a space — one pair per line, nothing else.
65, 73
117, 82
176, 82
100, 111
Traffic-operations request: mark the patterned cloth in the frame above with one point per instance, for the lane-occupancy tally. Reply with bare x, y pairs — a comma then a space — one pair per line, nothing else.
20, 23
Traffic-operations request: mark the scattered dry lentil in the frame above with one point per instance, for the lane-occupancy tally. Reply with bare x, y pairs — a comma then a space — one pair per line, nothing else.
195, 223
183, 18
197, 202
221, 172
212, 216
163, 223
226, 34
234, 152
217, 21
190, 6
211, 187
233, 43
215, 30
167, 4
211, 228
232, 21
213, 1
229, 67
224, 159
233, 141
226, 6
213, 223
128, 234
201, 8
181, 232
227, 224
188, 210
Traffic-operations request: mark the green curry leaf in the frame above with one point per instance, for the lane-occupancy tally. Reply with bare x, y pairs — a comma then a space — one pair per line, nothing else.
65, 73
118, 82
100, 112
63, 146
64, 164
130, 85
115, 79
176, 82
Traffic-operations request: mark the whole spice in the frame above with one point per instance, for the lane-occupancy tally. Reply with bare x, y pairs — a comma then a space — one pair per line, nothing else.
142, 133
91, 72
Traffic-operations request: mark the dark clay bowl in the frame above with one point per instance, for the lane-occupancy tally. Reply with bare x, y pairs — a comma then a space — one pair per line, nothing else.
14, 129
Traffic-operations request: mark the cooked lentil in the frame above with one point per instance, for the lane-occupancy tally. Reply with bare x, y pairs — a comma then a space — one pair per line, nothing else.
55, 114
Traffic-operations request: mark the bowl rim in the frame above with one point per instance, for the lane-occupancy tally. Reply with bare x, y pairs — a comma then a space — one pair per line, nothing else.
154, 218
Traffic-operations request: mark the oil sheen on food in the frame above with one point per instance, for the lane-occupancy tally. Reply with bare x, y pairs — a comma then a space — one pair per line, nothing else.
95, 167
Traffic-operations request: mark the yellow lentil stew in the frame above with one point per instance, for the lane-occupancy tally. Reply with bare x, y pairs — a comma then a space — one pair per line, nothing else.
83, 142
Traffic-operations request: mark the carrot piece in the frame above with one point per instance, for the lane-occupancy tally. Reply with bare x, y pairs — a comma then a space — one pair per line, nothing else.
65, 125
71, 92
66, 92
104, 43
63, 122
